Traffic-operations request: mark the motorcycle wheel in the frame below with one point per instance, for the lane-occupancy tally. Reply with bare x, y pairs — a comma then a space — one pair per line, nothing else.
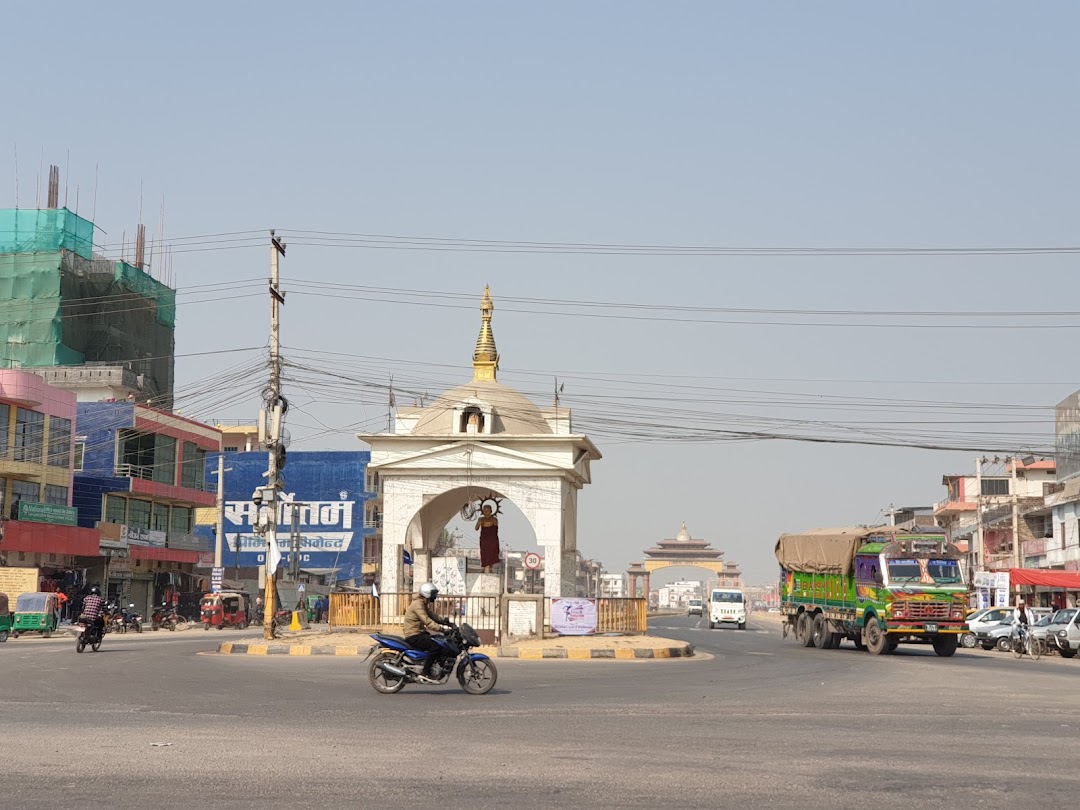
80, 645
477, 677
381, 681
180, 624
96, 646
138, 627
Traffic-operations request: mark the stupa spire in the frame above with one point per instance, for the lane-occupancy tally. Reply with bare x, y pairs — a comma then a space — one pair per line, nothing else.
486, 356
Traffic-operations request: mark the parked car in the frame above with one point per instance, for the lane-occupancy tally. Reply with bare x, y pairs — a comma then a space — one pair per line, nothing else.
1064, 632
1004, 633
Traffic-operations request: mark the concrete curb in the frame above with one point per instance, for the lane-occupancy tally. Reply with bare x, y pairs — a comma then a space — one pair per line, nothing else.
528, 653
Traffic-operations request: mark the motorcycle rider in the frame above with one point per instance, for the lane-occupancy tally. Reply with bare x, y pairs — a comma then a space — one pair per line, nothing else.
93, 611
420, 622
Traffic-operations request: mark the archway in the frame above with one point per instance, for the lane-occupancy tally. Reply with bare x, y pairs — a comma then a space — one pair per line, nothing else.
682, 551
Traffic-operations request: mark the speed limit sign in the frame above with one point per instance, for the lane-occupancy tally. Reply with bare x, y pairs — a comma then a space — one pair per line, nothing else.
532, 560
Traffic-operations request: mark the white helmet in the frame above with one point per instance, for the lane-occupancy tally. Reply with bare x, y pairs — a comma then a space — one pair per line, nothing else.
429, 592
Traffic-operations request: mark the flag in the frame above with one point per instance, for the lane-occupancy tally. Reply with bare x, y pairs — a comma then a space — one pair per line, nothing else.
273, 556
408, 557
374, 590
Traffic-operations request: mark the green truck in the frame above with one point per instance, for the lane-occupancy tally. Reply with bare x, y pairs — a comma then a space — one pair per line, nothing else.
876, 587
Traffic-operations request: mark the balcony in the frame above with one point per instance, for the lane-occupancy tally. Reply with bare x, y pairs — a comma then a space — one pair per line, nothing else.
146, 473
373, 523
951, 506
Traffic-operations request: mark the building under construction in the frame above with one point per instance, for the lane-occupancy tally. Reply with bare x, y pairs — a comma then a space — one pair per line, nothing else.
82, 320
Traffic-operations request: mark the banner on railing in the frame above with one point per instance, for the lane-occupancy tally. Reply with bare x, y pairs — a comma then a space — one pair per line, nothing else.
572, 616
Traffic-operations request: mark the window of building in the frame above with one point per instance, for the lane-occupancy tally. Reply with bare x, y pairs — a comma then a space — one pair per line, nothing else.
193, 467
229, 449
995, 486
472, 420
5, 420
56, 495
29, 433
159, 519
115, 509
59, 441
164, 459
80, 452
138, 514
23, 491
180, 522
136, 457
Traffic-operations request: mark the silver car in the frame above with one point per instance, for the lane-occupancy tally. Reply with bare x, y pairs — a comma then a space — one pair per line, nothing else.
1064, 632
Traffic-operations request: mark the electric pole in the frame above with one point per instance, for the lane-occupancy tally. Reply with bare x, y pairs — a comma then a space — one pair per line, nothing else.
270, 424
219, 531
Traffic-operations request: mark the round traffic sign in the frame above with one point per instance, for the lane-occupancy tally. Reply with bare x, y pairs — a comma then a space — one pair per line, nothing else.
532, 560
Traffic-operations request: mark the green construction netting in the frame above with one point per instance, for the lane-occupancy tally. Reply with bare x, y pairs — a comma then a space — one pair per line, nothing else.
31, 330
142, 284
45, 231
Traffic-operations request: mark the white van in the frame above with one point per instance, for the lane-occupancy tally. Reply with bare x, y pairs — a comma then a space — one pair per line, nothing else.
694, 608
727, 606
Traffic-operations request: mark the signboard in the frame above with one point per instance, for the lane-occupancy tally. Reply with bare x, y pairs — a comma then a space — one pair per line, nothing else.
142, 537
992, 580
217, 577
521, 618
14, 581
188, 542
533, 560
328, 490
572, 616
448, 575
206, 559
119, 567
48, 513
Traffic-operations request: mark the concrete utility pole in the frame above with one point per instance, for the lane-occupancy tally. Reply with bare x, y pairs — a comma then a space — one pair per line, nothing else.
977, 557
271, 418
1018, 559
219, 531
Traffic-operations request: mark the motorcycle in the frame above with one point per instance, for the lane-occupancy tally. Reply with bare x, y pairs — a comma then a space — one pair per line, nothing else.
131, 620
114, 621
396, 664
166, 617
89, 633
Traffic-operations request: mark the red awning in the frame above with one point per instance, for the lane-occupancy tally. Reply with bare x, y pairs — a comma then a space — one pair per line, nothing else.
1065, 580
47, 538
164, 554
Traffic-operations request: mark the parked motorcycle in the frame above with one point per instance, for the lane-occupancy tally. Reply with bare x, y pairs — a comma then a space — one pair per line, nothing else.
89, 633
396, 664
131, 620
114, 619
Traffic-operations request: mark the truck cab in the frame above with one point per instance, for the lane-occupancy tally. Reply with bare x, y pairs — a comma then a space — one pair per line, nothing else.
727, 606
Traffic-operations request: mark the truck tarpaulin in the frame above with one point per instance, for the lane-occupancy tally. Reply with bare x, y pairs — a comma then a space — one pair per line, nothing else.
821, 551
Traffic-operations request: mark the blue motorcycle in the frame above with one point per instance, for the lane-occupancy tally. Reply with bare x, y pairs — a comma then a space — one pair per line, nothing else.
396, 664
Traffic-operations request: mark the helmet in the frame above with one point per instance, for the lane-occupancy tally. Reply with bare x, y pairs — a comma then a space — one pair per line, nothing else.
95, 591
429, 592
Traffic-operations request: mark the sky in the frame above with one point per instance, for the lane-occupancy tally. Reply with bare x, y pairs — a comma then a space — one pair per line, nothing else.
765, 125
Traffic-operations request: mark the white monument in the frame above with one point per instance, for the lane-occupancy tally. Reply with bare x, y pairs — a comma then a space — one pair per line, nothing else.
478, 439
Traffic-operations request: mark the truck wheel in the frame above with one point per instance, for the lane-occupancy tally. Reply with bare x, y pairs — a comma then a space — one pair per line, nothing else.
877, 642
822, 636
742, 625
836, 639
804, 630
712, 626
945, 645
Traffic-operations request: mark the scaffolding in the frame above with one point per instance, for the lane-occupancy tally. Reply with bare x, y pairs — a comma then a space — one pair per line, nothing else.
62, 305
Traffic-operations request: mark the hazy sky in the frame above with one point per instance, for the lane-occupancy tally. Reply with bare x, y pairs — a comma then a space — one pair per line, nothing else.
753, 124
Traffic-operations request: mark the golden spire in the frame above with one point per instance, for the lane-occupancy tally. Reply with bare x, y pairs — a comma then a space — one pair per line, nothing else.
486, 357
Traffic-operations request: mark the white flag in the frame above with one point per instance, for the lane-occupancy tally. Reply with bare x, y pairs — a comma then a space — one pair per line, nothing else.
374, 590
273, 557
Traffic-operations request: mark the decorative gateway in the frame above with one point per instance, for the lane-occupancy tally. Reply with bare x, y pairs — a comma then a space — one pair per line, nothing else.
877, 587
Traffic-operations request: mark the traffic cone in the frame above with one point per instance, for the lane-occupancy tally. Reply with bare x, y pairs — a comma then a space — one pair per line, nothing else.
295, 621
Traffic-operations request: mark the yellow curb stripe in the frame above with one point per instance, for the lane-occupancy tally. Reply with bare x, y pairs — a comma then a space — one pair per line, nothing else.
296, 649
256, 649
534, 653
579, 654
345, 651
226, 647
662, 653
624, 655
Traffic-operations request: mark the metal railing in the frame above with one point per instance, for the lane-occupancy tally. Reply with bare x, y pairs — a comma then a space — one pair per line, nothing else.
483, 613
134, 471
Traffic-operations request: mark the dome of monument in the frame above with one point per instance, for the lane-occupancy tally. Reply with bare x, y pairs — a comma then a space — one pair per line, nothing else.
510, 410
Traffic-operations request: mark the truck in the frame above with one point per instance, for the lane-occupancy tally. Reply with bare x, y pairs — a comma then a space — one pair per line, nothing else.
727, 606
877, 587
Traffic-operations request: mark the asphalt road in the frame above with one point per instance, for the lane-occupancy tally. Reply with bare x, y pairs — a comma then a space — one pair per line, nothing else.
148, 722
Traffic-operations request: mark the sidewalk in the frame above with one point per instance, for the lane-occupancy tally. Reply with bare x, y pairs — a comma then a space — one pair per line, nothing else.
578, 648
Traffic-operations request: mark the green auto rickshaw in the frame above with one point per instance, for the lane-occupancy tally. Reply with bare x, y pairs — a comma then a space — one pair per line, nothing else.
312, 604
5, 617
36, 613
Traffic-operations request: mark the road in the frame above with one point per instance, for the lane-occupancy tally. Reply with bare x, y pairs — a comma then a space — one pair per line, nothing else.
150, 722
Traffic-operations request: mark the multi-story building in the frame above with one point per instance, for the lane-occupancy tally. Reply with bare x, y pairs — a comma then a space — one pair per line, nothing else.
143, 471
997, 509
613, 586
36, 467
79, 317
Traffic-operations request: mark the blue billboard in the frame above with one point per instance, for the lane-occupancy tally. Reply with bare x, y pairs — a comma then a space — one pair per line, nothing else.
324, 489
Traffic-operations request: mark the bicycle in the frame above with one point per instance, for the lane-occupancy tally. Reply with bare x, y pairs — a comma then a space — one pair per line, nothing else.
1024, 641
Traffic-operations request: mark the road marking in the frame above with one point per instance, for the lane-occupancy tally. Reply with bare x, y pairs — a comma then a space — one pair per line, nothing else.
760, 653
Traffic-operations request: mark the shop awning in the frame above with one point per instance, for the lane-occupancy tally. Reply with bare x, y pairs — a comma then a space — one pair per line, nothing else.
1064, 580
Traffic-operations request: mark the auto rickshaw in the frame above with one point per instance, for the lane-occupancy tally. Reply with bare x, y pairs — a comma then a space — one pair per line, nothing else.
225, 609
5, 617
36, 613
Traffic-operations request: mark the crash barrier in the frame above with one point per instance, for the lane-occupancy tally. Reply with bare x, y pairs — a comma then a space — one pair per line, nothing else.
482, 612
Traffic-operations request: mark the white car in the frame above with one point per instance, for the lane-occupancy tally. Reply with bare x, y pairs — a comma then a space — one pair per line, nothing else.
694, 607
727, 606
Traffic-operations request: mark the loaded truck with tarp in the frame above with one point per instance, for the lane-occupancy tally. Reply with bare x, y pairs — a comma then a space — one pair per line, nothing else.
876, 587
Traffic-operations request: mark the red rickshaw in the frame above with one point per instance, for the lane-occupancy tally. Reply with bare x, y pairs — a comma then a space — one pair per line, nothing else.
225, 609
